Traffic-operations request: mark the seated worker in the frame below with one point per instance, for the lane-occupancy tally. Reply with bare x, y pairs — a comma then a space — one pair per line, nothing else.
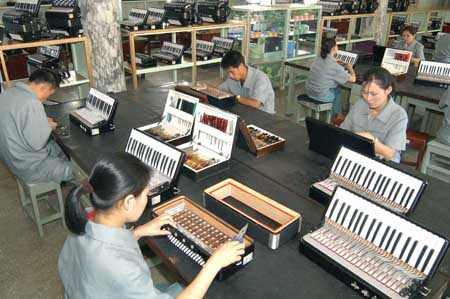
101, 258
326, 74
378, 117
443, 135
409, 43
442, 49
25, 130
251, 85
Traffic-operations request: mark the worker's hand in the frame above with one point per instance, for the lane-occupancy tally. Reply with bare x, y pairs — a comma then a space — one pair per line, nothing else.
366, 135
153, 227
349, 66
52, 123
227, 254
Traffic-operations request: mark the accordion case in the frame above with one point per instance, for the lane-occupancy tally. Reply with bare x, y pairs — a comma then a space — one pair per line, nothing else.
22, 23
258, 141
209, 95
213, 141
98, 114
198, 233
177, 121
164, 160
268, 221
373, 179
377, 253
64, 17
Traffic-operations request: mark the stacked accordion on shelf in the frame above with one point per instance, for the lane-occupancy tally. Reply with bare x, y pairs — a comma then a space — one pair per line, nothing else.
64, 17
22, 23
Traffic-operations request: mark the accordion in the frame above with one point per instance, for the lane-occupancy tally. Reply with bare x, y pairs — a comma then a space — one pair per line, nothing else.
213, 11
97, 116
155, 19
258, 141
177, 121
397, 24
222, 46
433, 74
213, 141
143, 60
339, 7
396, 62
398, 5
45, 57
22, 23
377, 253
179, 13
209, 95
268, 221
204, 50
170, 53
64, 17
164, 161
137, 19
368, 6
199, 233
373, 179
345, 57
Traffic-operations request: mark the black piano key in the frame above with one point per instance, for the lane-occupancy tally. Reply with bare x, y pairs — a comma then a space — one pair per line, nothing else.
430, 254
380, 186
152, 161
345, 215
340, 211
404, 195
376, 232
355, 174
165, 164
392, 190
133, 148
360, 174
411, 251
372, 177
333, 208
144, 157
171, 167
150, 156
127, 147
391, 238
419, 259
362, 224
341, 171
366, 179
346, 168
355, 212
352, 171
386, 232
158, 159
357, 221
378, 179
410, 196
370, 228
397, 192
385, 187
396, 242
405, 246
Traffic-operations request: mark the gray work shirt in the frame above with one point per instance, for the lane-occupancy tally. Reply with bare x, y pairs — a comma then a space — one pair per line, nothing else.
416, 48
105, 262
389, 126
442, 49
324, 75
256, 86
443, 135
24, 132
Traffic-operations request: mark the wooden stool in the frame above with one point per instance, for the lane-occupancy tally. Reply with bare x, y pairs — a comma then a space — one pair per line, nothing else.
437, 157
313, 105
30, 194
418, 141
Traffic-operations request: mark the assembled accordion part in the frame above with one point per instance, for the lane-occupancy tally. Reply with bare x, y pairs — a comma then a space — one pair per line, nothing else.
329, 32
177, 121
213, 141
268, 221
199, 233
396, 62
164, 160
170, 53
143, 60
155, 19
213, 11
433, 74
64, 17
346, 57
339, 7
45, 57
222, 45
181, 13
22, 23
368, 6
397, 24
209, 95
204, 50
137, 19
398, 5
260, 142
98, 114
378, 253
377, 181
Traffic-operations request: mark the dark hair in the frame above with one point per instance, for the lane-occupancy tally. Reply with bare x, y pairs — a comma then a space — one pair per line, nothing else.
112, 179
232, 59
45, 76
381, 77
327, 45
410, 29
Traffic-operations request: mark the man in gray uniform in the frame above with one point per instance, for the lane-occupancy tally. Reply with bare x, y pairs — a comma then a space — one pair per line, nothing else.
25, 130
442, 49
443, 135
252, 86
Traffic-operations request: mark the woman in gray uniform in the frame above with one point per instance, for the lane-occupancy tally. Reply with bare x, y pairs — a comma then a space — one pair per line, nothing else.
409, 43
377, 117
101, 258
326, 74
